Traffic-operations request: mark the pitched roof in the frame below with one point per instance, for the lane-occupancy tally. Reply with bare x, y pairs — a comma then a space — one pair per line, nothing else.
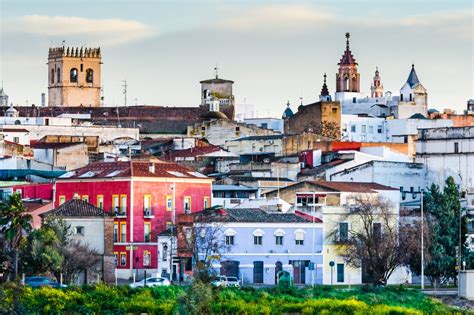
412, 77
347, 57
133, 168
249, 216
352, 186
194, 152
76, 208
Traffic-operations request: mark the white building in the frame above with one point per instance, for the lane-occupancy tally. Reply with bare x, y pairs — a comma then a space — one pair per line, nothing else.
15, 135
447, 152
275, 124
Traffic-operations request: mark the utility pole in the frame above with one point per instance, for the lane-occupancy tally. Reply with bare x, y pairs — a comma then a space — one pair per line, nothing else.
124, 85
422, 244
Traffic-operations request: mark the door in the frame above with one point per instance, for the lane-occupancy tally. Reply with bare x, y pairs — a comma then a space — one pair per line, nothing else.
299, 271
258, 272
230, 268
278, 268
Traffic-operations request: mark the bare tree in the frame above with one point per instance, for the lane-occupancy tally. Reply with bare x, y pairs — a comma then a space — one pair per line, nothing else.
373, 241
203, 240
78, 258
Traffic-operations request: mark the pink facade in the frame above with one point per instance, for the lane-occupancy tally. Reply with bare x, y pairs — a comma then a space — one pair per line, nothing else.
148, 205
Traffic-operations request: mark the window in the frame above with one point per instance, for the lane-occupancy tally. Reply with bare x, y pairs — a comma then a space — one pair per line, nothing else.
116, 259
279, 233
169, 203
100, 201
147, 232
146, 258
411, 98
353, 128
206, 202
237, 129
229, 239
264, 126
257, 240
401, 97
115, 203
123, 259
187, 205
52, 76
79, 230
379, 129
164, 254
354, 100
343, 231
59, 74
299, 237
334, 110
147, 204
85, 198
377, 230
62, 199
278, 240
89, 76
73, 75
116, 232
340, 272
123, 204
364, 128
123, 232
82, 67
16, 139
456, 147
371, 129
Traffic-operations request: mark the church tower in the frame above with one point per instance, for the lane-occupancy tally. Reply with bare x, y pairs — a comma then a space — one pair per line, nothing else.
347, 78
377, 88
74, 76
325, 96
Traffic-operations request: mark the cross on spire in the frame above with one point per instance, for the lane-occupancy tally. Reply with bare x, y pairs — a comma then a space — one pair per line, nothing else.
216, 69
347, 40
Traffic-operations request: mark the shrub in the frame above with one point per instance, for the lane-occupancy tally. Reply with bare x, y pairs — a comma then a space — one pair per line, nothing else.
197, 299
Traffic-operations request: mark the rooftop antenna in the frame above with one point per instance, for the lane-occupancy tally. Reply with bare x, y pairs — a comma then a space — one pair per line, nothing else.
124, 85
216, 69
301, 100
63, 43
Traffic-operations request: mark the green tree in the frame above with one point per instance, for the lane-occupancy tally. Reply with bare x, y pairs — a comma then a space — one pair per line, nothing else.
443, 209
15, 221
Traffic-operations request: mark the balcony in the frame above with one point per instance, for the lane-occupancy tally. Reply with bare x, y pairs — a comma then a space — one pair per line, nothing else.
120, 212
148, 213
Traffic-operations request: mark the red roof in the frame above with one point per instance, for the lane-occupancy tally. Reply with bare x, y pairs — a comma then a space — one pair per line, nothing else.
352, 186
14, 130
132, 168
194, 152
53, 145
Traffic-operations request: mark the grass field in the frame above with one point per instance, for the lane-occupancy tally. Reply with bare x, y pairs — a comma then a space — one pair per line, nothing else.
203, 299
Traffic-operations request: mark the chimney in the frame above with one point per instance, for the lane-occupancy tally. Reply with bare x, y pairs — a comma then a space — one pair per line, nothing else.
151, 167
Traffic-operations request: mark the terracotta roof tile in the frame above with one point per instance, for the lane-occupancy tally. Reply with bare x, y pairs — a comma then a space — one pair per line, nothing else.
76, 208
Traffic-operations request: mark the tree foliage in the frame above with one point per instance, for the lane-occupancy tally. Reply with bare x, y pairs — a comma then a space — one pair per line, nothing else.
53, 249
15, 222
374, 241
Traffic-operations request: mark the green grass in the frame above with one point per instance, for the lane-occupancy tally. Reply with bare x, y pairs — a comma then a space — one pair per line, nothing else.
102, 299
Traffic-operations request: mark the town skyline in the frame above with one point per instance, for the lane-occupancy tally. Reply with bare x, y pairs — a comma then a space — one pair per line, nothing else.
274, 53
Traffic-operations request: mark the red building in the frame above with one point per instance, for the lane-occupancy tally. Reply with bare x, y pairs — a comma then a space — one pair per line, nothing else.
146, 197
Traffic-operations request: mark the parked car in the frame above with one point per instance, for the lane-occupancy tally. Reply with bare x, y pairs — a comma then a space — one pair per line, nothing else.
37, 281
224, 281
233, 282
151, 282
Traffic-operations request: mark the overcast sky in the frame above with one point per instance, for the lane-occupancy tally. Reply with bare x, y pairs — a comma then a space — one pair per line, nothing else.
274, 50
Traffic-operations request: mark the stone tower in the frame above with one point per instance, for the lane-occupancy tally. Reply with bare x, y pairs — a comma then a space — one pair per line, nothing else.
377, 87
347, 78
74, 76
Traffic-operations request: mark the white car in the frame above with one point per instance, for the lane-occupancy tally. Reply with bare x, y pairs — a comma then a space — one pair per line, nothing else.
151, 282
223, 281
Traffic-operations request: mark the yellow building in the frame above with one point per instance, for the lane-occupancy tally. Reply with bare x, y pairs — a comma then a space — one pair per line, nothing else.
74, 76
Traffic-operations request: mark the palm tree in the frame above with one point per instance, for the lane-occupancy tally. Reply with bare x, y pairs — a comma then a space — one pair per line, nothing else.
14, 220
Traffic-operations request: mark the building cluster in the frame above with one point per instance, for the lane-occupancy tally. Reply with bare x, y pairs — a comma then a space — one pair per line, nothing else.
135, 182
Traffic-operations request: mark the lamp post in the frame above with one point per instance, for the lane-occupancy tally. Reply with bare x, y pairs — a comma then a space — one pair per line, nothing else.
422, 243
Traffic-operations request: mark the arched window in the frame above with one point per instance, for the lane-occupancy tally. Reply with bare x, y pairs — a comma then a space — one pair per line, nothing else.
73, 75
52, 76
346, 84
89, 76
59, 74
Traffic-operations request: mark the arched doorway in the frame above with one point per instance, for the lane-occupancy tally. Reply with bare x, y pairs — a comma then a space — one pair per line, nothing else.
278, 268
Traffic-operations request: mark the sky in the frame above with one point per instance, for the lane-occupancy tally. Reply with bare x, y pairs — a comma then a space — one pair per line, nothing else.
274, 50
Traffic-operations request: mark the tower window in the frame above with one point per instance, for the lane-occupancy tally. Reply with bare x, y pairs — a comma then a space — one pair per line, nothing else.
346, 84
354, 100
59, 74
89, 76
401, 97
73, 75
82, 67
411, 98
52, 76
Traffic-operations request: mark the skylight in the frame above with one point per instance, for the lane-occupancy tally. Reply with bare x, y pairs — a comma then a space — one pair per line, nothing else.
177, 174
114, 173
197, 174
87, 174
67, 175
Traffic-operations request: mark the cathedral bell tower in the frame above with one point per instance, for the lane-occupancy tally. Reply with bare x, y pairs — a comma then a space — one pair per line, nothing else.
347, 77
377, 87
74, 76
